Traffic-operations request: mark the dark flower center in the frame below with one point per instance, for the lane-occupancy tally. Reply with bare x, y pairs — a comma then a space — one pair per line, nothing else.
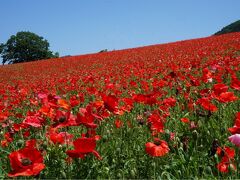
62, 119
157, 142
26, 161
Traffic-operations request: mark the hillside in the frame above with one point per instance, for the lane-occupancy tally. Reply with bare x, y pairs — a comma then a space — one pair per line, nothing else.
190, 50
168, 111
233, 27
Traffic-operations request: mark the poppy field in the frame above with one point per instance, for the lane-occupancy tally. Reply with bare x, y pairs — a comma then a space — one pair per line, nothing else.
168, 111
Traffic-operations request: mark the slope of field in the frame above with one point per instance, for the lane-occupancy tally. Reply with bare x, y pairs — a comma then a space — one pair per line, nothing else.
161, 111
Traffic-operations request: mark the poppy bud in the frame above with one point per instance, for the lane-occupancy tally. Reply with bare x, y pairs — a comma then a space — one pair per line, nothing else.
215, 145
208, 169
20, 143
63, 174
195, 134
43, 146
140, 120
153, 164
106, 169
185, 141
133, 172
232, 167
119, 175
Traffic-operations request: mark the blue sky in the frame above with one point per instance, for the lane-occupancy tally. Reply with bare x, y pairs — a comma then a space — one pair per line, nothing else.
75, 27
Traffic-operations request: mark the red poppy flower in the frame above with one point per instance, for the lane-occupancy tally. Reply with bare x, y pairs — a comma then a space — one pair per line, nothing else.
169, 102
227, 97
227, 154
185, 120
237, 119
206, 104
26, 162
8, 136
128, 104
86, 117
156, 123
61, 138
91, 133
47, 111
83, 146
26, 134
63, 104
42, 96
235, 84
49, 100
219, 88
64, 119
225, 166
236, 128
133, 83
34, 120
206, 75
3, 116
4, 143
118, 123
146, 99
194, 81
157, 149
204, 92
74, 101
111, 104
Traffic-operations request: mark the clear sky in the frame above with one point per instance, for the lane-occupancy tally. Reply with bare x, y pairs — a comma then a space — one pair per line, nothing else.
74, 27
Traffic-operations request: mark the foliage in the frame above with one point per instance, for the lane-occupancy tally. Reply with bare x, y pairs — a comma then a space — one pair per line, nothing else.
233, 27
166, 111
104, 50
25, 47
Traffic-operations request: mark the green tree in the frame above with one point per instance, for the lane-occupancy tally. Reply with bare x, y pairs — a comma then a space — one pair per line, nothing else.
25, 47
233, 27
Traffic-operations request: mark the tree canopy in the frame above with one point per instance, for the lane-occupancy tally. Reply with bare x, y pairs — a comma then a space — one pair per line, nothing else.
233, 27
25, 46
